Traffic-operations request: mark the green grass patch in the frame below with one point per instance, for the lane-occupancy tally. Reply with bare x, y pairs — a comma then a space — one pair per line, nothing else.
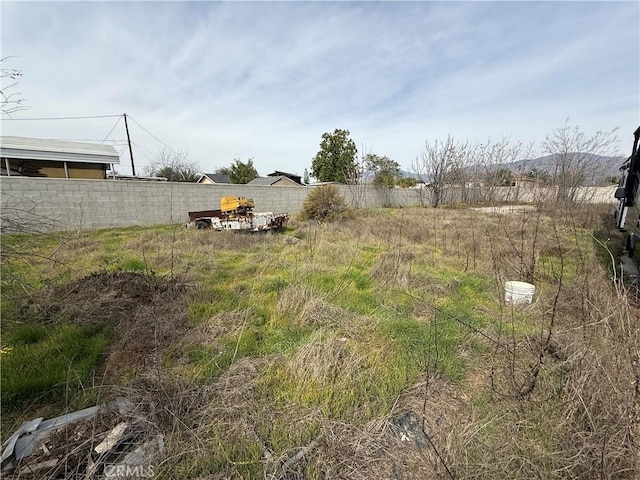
133, 265
282, 438
204, 362
359, 279
45, 363
362, 302
272, 283
353, 290
551, 267
283, 339
112, 243
352, 378
427, 344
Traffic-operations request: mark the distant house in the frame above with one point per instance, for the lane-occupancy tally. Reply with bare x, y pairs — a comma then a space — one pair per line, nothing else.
39, 157
274, 181
215, 178
291, 176
526, 181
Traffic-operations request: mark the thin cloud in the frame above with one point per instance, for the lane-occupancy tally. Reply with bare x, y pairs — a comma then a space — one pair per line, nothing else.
265, 80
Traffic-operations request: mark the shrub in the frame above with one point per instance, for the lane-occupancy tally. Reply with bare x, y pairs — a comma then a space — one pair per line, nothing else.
324, 203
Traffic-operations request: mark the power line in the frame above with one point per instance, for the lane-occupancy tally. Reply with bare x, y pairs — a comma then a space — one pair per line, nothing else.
122, 149
167, 146
148, 154
86, 140
60, 118
143, 149
112, 129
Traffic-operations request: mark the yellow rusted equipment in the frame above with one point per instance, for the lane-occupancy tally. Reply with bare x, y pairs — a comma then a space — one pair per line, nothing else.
236, 204
236, 213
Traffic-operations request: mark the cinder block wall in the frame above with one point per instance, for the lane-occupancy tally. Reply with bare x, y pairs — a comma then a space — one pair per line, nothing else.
73, 204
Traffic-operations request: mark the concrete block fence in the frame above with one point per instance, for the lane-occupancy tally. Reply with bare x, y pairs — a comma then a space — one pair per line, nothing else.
75, 204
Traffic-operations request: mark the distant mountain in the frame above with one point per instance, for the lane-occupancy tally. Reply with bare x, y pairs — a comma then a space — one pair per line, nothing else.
603, 166
406, 174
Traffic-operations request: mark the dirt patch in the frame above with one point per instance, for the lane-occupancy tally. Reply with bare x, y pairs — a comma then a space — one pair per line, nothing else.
144, 313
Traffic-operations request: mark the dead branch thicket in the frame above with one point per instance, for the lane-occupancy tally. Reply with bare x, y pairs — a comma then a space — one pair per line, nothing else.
10, 101
444, 164
562, 392
25, 230
575, 161
568, 394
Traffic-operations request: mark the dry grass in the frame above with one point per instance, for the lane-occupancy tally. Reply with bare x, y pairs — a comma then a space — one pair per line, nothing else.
308, 308
382, 347
222, 324
323, 359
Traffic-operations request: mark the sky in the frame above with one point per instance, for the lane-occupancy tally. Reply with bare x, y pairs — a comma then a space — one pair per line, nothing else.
265, 80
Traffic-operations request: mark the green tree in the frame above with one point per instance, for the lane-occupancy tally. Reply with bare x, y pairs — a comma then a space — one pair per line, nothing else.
223, 171
407, 182
241, 172
386, 171
306, 177
336, 159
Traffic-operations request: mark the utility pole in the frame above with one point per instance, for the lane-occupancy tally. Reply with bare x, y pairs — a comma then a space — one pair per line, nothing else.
126, 127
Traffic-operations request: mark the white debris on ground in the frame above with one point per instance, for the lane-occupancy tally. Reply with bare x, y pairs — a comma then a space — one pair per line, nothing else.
93, 443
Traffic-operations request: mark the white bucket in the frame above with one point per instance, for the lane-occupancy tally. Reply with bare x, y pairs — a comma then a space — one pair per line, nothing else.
518, 292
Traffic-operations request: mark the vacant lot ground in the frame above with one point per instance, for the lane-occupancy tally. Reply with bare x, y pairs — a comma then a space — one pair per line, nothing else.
375, 347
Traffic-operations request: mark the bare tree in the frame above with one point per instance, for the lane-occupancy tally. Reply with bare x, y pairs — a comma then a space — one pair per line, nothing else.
10, 101
576, 158
441, 164
174, 166
460, 174
492, 157
355, 179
